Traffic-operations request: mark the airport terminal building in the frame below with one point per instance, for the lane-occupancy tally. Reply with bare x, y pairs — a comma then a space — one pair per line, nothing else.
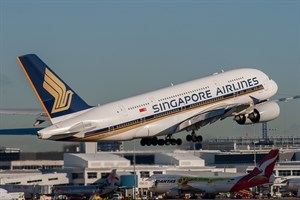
19, 169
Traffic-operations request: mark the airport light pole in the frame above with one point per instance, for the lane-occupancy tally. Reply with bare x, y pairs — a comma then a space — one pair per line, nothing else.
254, 154
254, 147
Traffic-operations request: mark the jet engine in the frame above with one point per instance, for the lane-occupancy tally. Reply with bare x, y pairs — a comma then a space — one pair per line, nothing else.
262, 113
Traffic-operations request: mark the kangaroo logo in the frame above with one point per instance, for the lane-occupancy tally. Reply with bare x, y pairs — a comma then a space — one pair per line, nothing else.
62, 98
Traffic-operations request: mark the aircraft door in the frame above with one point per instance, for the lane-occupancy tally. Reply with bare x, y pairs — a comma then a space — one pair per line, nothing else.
216, 82
153, 101
111, 128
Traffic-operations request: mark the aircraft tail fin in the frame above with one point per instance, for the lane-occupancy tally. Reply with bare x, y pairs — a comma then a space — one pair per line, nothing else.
113, 179
56, 97
260, 174
267, 164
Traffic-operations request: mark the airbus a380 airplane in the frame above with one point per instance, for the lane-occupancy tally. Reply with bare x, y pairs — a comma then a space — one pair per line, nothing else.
242, 93
176, 185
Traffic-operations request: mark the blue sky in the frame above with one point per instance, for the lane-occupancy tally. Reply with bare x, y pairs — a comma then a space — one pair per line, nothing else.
109, 50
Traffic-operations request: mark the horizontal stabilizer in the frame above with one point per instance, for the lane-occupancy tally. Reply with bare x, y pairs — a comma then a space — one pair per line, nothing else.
16, 111
20, 131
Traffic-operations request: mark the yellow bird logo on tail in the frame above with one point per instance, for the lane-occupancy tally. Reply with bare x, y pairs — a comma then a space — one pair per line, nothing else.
57, 89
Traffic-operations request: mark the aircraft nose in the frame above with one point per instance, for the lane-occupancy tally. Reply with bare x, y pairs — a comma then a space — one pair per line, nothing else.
273, 86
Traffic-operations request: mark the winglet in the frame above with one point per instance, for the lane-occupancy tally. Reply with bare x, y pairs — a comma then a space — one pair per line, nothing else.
254, 100
56, 97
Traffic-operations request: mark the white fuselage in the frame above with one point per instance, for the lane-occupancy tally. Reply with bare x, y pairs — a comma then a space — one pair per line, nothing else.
175, 184
163, 183
160, 112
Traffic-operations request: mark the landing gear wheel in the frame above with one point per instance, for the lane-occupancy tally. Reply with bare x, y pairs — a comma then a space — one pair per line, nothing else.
173, 141
161, 142
154, 141
167, 142
148, 142
199, 138
143, 142
189, 138
194, 138
179, 141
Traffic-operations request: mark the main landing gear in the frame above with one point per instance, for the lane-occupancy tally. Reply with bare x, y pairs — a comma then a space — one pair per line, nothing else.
155, 141
193, 137
169, 140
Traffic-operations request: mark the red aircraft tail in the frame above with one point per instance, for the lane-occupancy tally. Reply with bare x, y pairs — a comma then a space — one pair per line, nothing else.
260, 174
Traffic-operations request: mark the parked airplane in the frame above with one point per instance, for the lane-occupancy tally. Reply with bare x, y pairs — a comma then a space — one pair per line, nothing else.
242, 94
111, 183
176, 185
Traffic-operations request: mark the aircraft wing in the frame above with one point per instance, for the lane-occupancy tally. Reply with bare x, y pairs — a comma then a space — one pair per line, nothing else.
211, 115
288, 98
41, 114
180, 189
187, 187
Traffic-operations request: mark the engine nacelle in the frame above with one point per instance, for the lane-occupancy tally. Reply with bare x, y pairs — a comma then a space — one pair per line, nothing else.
262, 113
